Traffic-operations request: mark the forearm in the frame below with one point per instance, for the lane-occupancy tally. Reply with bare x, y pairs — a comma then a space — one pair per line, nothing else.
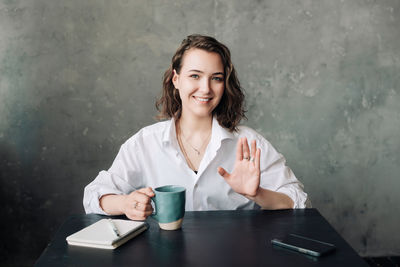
112, 204
272, 200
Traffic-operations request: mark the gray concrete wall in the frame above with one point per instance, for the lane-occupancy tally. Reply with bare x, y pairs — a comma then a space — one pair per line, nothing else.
322, 81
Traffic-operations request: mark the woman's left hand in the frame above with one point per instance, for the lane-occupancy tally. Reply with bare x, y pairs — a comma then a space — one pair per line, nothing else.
245, 178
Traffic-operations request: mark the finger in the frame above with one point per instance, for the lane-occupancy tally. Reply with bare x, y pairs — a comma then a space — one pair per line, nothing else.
137, 217
133, 215
257, 159
148, 207
143, 214
143, 207
148, 213
246, 150
138, 214
141, 198
253, 149
147, 191
239, 150
223, 173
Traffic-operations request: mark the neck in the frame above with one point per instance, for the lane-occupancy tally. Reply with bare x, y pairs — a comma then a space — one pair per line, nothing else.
195, 127
193, 136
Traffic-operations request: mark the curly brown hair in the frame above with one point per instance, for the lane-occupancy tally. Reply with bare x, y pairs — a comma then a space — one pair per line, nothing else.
230, 109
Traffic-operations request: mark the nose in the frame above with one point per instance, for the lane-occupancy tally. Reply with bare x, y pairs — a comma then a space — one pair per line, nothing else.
205, 85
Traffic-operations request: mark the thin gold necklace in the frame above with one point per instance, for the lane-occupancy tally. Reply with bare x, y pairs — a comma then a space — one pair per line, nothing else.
198, 151
184, 153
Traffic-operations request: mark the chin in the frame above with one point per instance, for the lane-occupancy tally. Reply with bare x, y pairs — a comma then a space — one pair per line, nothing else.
203, 114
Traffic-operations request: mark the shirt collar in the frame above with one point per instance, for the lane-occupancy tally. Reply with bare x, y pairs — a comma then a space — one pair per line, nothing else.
219, 133
169, 132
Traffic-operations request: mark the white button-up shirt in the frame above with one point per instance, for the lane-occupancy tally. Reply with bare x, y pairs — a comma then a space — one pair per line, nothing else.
152, 157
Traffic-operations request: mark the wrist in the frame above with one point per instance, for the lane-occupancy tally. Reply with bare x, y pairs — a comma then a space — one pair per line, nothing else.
255, 195
122, 203
112, 204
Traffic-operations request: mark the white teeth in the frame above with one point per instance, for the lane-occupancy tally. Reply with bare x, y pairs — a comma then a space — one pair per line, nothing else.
202, 99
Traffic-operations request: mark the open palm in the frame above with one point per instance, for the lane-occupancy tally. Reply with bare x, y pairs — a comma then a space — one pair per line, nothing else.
245, 178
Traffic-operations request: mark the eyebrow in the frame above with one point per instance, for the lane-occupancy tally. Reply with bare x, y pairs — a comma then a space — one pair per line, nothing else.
216, 73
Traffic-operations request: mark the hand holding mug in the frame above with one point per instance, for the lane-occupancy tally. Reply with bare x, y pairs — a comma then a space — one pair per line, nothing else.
137, 205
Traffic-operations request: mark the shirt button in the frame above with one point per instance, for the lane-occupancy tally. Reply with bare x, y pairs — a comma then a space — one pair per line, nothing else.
196, 185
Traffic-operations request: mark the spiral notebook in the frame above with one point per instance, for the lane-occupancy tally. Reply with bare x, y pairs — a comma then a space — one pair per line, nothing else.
101, 234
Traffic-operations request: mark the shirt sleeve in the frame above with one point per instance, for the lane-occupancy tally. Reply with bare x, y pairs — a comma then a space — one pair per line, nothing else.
276, 176
123, 177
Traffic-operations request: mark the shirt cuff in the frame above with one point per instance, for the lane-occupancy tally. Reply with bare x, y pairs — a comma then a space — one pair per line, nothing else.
299, 198
92, 205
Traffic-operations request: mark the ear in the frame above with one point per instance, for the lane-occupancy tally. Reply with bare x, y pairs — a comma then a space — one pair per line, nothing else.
175, 79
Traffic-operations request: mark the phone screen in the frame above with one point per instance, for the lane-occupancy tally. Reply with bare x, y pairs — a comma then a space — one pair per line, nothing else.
304, 245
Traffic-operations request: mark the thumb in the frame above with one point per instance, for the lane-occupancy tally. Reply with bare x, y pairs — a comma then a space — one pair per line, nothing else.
223, 173
147, 191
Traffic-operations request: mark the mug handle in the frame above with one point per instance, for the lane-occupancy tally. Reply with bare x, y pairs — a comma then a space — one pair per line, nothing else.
153, 204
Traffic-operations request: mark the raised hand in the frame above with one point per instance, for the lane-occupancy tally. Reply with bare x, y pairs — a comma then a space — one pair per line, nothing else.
245, 178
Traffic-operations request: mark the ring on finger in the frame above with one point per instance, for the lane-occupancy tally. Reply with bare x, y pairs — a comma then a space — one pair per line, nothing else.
251, 159
135, 205
246, 158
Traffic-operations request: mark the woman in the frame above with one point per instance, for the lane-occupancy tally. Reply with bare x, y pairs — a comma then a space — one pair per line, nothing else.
200, 146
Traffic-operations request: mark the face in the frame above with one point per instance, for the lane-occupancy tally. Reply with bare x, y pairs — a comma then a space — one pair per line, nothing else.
201, 83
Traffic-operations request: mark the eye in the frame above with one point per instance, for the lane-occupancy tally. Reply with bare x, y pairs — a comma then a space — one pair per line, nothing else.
194, 76
218, 79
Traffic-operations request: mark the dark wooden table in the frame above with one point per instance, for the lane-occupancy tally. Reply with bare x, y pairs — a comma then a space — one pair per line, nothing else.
208, 238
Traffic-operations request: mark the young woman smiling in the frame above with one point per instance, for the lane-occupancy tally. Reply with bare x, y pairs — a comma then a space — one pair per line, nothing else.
200, 146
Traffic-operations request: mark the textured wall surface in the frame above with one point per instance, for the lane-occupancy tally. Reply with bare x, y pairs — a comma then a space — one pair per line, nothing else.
322, 81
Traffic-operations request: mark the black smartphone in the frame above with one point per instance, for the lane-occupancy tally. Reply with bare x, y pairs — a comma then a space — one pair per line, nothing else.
304, 245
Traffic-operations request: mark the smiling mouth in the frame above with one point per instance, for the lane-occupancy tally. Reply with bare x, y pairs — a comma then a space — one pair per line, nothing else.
202, 99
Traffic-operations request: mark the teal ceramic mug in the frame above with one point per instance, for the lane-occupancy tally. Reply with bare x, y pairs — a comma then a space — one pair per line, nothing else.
169, 205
